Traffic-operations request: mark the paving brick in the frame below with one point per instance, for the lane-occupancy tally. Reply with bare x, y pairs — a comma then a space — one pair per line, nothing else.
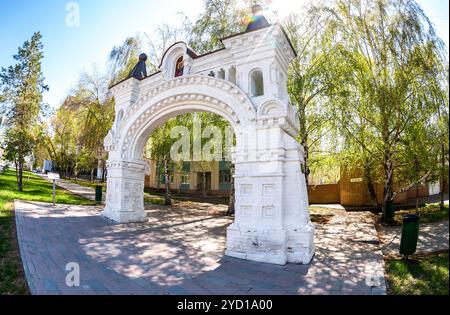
51, 286
262, 284
183, 259
97, 286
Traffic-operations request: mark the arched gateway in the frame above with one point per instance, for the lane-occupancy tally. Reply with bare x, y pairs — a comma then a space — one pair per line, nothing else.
272, 221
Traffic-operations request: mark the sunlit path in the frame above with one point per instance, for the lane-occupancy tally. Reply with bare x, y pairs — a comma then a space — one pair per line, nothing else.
181, 251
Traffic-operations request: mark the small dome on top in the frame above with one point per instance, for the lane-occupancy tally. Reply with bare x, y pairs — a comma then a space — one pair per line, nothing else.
143, 57
257, 20
257, 9
140, 69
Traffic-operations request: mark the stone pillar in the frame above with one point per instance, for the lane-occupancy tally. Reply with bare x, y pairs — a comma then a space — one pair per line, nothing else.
272, 222
125, 191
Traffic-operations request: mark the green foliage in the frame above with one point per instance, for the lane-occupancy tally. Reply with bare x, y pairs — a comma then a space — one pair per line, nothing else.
80, 126
35, 189
123, 58
159, 146
420, 276
309, 80
21, 88
390, 68
428, 214
12, 280
220, 18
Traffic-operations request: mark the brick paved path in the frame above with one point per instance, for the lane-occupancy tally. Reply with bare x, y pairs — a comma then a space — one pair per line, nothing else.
432, 237
83, 191
180, 251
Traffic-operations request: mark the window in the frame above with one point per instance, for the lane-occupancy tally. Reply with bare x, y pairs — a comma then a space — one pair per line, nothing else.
163, 179
119, 118
179, 67
233, 75
222, 74
185, 178
256, 83
224, 177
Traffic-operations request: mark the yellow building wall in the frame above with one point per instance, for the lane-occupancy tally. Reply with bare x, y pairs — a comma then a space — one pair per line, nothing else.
213, 168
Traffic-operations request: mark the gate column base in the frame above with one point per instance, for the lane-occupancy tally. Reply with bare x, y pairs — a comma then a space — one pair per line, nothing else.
125, 216
125, 193
273, 246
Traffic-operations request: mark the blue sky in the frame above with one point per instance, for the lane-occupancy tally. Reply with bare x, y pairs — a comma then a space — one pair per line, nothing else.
104, 23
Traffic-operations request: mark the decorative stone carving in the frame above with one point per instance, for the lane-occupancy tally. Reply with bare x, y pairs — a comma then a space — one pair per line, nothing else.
272, 218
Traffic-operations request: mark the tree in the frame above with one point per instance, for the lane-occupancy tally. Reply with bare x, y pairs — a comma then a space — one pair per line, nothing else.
390, 56
80, 125
309, 79
219, 19
123, 58
164, 36
232, 203
211, 142
439, 96
62, 147
21, 88
96, 117
159, 147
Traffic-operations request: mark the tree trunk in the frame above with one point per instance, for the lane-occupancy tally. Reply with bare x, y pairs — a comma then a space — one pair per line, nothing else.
306, 169
443, 182
204, 184
304, 137
167, 197
17, 171
388, 167
370, 186
103, 171
388, 190
20, 162
20, 177
231, 205
417, 198
92, 175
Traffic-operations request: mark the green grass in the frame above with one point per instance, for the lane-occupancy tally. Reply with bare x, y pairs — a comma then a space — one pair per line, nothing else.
153, 197
150, 198
154, 200
12, 279
87, 183
426, 275
428, 214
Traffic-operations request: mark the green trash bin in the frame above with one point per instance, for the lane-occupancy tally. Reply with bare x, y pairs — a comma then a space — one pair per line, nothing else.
410, 234
98, 194
388, 215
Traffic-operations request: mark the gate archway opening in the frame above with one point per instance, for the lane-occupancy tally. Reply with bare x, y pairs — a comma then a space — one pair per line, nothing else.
190, 156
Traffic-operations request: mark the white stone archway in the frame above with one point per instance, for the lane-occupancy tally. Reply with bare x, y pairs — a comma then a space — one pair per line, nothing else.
272, 222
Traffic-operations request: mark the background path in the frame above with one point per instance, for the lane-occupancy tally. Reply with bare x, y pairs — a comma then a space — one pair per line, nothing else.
83, 191
432, 237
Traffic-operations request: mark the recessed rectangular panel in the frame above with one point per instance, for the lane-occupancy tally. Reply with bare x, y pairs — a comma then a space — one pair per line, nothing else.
268, 211
246, 189
268, 189
246, 210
